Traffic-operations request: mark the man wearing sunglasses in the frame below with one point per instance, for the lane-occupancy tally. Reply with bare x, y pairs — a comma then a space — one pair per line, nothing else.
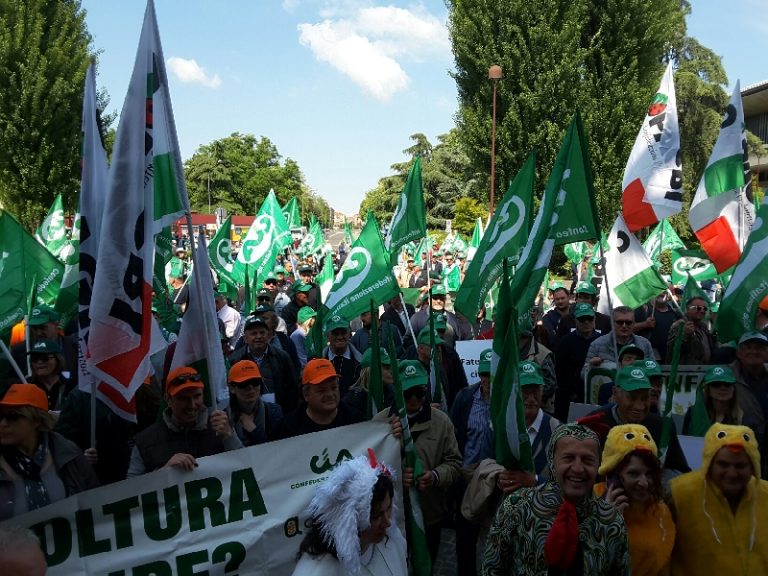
602, 349
186, 432
698, 344
255, 420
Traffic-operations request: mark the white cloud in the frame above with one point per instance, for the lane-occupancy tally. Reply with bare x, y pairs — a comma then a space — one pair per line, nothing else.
190, 72
370, 44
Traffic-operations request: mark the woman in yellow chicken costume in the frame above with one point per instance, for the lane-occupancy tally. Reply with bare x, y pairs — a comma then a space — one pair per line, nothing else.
721, 509
632, 471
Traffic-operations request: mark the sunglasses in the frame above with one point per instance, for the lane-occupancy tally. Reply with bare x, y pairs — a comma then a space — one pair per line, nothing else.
624, 322
720, 384
186, 378
585, 319
271, 282
698, 308
41, 357
415, 392
254, 383
11, 416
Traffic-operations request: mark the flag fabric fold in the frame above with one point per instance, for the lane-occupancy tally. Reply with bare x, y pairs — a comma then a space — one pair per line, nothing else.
409, 222
52, 232
653, 178
291, 213
662, 238
721, 214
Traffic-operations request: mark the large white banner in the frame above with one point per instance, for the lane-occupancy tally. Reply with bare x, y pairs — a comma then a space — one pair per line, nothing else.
241, 512
469, 352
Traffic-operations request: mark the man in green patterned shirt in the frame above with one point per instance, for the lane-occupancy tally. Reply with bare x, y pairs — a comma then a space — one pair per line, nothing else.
560, 528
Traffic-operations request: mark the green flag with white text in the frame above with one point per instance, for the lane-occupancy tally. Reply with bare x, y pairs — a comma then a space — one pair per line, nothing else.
409, 222
220, 252
52, 233
365, 275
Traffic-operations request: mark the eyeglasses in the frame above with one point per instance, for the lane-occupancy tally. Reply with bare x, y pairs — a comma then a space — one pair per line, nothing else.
624, 322
186, 378
415, 392
585, 319
41, 357
698, 308
253, 383
11, 416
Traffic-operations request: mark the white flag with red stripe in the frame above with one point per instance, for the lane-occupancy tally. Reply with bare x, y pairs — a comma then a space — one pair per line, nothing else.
145, 184
653, 179
721, 215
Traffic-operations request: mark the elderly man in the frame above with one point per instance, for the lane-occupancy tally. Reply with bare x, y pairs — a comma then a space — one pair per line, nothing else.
185, 432
322, 408
719, 509
20, 552
752, 383
343, 355
602, 349
698, 344
632, 393
560, 527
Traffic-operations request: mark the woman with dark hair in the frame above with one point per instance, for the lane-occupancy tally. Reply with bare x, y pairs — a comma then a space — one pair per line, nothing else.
47, 363
716, 403
37, 466
353, 527
633, 484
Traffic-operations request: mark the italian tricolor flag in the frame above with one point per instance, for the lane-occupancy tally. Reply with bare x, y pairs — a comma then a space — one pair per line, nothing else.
720, 215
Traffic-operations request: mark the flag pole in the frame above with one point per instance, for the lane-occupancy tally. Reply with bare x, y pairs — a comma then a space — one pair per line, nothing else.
12, 362
408, 318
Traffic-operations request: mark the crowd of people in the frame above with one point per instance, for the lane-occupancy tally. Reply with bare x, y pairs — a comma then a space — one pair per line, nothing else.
611, 493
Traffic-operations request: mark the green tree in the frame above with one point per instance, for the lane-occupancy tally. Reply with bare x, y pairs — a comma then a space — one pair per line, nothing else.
44, 53
603, 57
467, 211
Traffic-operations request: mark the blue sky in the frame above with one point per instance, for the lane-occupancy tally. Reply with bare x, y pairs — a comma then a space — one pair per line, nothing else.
337, 85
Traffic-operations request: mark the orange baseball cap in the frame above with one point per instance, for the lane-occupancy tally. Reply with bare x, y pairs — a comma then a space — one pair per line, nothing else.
182, 378
243, 371
25, 395
763, 304
318, 371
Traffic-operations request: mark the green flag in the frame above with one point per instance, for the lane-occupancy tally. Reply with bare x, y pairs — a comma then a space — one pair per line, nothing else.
409, 222
326, 277
366, 275
513, 446
452, 277
477, 236
749, 283
266, 237
671, 387
22, 261
569, 191
291, 213
348, 239
693, 262
220, 252
575, 252
52, 233
314, 241
662, 238
505, 238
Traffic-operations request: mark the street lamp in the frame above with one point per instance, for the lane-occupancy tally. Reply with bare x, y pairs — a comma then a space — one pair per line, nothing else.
494, 74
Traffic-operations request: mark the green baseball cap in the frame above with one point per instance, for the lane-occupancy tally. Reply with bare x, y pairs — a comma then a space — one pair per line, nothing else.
304, 314
336, 322
438, 290
301, 287
632, 378
45, 347
719, 374
365, 362
270, 276
280, 270
586, 288
556, 286
650, 366
43, 314
412, 373
583, 309
485, 361
530, 374
631, 348
753, 336
441, 322
263, 293
306, 269
423, 337
261, 308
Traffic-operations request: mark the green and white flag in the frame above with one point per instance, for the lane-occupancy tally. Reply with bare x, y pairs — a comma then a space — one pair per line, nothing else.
365, 275
569, 192
459, 244
199, 343
348, 239
633, 279
505, 237
52, 233
291, 213
220, 256
24, 261
266, 237
749, 283
693, 262
314, 241
325, 279
662, 238
409, 222
452, 277
474, 242
575, 252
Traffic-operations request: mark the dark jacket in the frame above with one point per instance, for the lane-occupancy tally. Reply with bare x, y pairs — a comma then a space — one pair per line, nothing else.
348, 369
280, 375
297, 422
391, 315
266, 418
71, 466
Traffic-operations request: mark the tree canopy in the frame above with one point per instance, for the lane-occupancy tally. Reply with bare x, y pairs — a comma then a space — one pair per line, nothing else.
237, 172
44, 54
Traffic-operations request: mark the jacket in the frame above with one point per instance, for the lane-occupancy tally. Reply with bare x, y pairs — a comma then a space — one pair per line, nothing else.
280, 374
71, 467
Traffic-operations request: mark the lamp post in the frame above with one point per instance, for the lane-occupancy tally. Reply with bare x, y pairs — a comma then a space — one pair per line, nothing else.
209, 192
494, 74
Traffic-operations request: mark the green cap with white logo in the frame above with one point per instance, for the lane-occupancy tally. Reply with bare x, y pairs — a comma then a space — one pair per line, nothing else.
485, 361
412, 373
631, 378
719, 374
530, 374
